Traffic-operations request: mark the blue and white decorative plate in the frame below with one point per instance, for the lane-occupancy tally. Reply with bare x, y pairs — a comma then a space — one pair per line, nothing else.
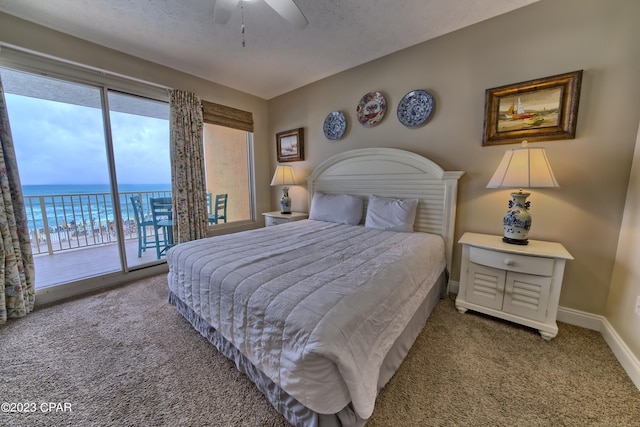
371, 109
415, 108
334, 125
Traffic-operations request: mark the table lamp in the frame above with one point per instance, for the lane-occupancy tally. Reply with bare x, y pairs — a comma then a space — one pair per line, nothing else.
524, 167
284, 177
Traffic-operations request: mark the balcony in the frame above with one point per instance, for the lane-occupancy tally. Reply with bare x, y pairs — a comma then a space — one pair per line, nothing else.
70, 232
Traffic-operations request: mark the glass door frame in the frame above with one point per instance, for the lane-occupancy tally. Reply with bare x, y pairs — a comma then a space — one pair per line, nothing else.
13, 58
113, 179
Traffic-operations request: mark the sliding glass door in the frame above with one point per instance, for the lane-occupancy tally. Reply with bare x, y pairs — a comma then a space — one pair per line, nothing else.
72, 152
140, 135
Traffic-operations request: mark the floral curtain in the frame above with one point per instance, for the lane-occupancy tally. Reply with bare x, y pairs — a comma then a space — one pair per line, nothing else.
17, 292
187, 168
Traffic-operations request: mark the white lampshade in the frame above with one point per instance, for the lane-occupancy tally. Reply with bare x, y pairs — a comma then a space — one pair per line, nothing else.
283, 176
523, 168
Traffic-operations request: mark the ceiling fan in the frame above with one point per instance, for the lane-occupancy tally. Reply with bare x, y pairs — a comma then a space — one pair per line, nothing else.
286, 8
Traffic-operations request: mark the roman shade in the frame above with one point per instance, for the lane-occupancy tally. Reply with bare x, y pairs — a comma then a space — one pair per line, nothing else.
227, 116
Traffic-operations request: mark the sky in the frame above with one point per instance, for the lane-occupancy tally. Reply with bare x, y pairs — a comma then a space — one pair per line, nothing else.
62, 143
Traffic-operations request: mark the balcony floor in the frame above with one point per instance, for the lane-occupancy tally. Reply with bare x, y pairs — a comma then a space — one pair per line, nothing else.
81, 263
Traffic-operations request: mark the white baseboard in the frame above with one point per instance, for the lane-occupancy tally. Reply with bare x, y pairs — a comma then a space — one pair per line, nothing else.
627, 359
580, 318
629, 362
453, 287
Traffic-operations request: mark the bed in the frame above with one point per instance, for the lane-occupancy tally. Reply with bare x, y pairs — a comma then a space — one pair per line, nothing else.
320, 313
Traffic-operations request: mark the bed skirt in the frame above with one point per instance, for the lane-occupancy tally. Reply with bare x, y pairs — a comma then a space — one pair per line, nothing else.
296, 413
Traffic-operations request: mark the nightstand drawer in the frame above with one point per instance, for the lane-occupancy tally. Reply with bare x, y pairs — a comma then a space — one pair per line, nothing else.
512, 262
277, 218
275, 221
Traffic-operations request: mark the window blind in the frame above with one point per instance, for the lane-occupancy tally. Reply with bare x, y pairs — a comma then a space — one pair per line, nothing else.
227, 116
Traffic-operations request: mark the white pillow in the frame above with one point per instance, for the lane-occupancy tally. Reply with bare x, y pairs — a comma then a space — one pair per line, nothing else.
385, 213
339, 208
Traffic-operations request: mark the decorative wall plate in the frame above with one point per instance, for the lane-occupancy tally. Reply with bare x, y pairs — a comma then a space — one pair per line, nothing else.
371, 109
415, 108
334, 125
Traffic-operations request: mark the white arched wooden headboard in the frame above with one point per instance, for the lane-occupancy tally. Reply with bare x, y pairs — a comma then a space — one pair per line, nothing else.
392, 172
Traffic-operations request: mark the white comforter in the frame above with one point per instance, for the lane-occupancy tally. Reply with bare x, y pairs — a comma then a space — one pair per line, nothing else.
314, 305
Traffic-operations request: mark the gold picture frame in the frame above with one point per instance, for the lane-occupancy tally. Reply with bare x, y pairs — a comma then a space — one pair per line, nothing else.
290, 145
535, 110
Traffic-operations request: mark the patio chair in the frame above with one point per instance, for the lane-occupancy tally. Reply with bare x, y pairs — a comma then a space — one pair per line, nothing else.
217, 211
162, 218
141, 226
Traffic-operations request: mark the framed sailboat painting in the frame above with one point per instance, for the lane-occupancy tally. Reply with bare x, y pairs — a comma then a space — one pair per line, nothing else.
290, 145
535, 110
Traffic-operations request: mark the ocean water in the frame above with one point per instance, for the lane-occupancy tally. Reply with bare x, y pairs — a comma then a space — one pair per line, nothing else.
83, 206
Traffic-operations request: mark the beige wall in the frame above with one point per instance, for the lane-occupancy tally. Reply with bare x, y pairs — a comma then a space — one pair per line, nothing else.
546, 38
21, 33
625, 282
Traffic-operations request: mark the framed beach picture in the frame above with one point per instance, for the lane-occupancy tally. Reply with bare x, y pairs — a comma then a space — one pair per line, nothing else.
290, 145
536, 110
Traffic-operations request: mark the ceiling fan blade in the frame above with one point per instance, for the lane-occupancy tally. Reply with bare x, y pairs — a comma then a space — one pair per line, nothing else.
222, 10
289, 11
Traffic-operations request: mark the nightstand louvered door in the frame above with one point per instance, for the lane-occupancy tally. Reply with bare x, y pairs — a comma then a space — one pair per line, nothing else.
509, 282
527, 295
486, 286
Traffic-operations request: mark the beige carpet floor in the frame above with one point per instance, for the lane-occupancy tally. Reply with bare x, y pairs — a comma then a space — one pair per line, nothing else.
125, 357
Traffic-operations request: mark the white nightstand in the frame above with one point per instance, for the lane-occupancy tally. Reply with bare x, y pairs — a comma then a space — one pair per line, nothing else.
276, 218
513, 282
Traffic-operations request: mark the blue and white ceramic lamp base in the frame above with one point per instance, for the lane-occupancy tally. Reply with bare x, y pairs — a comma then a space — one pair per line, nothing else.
517, 221
285, 201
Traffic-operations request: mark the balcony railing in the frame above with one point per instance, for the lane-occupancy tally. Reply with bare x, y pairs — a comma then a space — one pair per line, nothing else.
61, 222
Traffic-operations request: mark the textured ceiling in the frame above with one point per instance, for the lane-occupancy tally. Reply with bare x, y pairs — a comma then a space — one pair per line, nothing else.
278, 57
